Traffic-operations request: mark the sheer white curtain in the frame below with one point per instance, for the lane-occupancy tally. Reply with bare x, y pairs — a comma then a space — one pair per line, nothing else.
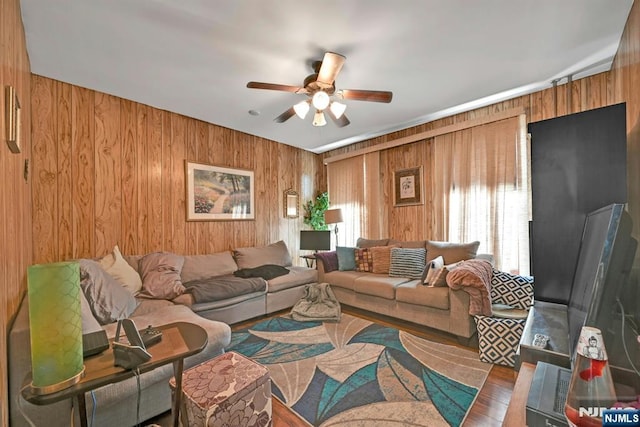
354, 187
480, 184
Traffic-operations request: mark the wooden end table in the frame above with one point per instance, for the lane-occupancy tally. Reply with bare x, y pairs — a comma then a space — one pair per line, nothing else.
179, 340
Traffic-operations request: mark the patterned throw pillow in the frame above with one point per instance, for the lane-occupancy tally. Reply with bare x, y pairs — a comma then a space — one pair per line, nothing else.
381, 256
407, 262
364, 259
511, 289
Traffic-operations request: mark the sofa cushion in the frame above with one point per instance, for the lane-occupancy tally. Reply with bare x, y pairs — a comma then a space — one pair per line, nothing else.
378, 285
407, 244
198, 267
297, 276
370, 243
119, 268
451, 252
109, 301
161, 275
89, 321
343, 279
413, 292
364, 261
276, 253
381, 256
346, 258
407, 262
329, 260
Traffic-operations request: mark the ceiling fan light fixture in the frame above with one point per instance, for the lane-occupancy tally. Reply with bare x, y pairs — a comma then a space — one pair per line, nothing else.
318, 119
301, 109
337, 108
320, 100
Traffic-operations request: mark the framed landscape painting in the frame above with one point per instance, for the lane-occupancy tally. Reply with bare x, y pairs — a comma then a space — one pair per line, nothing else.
407, 185
216, 193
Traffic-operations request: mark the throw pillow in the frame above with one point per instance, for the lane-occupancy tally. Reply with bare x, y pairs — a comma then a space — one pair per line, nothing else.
511, 289
431, 270
370, 243
161, 275
451, 252
346, 258
381, 256
407, 262
329, 260
89, 321
275, 253
119, 268
439, 279
109, 301
364, 260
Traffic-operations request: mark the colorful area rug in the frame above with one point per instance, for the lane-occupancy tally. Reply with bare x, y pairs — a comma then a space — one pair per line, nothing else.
358, 373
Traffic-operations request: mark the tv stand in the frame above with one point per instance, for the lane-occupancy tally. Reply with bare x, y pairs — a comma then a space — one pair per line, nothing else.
549, 319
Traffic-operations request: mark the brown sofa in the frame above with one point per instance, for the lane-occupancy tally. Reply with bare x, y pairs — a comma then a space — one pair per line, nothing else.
406, 298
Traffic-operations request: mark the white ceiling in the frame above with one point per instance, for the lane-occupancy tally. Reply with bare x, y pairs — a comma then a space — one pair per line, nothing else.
438, 57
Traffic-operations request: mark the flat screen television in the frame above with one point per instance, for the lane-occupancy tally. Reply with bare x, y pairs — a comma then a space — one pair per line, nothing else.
601, 281
315, 240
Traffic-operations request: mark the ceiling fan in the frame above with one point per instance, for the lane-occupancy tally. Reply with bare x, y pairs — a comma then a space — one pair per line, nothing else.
320, 88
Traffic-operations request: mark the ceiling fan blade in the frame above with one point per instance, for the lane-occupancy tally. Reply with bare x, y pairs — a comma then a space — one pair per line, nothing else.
273, 86
331, 66
341, 122
366, 95
285, 116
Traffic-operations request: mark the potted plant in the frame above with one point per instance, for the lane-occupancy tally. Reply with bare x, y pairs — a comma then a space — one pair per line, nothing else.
314, 211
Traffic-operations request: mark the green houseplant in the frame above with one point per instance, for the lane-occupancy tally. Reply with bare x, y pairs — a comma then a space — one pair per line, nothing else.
314, 211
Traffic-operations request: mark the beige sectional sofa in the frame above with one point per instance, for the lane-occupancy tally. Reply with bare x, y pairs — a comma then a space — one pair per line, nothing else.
157, 280
405, 298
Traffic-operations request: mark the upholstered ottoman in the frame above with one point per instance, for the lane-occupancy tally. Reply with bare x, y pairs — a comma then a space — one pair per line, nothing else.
229, 390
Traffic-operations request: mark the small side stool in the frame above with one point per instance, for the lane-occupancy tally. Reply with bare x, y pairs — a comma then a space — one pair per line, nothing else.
228, 390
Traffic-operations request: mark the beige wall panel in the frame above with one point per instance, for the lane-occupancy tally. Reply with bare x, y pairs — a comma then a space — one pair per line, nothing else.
108, 169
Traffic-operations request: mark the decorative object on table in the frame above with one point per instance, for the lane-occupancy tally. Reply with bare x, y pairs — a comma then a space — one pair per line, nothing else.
55, 326
333, 216
217, 193
315, 240
591, 386
407, 187
12, 119
314, 211
291, 209
357, 369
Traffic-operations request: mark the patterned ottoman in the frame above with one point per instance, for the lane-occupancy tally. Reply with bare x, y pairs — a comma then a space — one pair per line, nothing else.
228, 390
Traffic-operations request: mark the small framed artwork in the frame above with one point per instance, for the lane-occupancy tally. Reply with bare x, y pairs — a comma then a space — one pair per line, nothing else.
407, 186
12, 120
216, 193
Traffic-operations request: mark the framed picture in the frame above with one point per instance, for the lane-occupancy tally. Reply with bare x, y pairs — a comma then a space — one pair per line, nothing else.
216, 193
407, 186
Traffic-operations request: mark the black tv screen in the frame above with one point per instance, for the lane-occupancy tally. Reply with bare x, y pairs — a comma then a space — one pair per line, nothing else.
601, 277
315, 240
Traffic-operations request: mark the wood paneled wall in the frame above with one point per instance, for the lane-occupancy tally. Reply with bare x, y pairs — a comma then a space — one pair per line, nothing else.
15, 196
111, 171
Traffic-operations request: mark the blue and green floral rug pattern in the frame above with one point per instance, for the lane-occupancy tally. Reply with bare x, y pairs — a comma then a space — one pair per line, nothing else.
356, 372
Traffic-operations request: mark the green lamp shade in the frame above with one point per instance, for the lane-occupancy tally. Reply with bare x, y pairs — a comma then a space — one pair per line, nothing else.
56, 326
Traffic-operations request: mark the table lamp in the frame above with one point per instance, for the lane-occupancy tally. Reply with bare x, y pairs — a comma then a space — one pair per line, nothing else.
55, 326
333, 216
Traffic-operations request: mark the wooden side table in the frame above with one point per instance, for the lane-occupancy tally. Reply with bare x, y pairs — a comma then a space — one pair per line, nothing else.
516, 414
179, 340
310, 259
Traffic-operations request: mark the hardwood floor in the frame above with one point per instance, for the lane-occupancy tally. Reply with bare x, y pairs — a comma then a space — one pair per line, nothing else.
488, 410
